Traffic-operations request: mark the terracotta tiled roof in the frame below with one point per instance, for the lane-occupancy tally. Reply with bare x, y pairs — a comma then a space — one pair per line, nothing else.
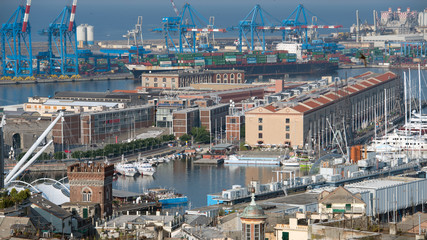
386, 76
331, 96
358, 86
323, 100
373, 81
342, 93
366, 83
312, 104
300, 108
351, 89
271, 108
364, 75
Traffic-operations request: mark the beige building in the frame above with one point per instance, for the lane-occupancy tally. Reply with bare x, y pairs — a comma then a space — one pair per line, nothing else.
291, 231
307, 119
341, 202
179, 79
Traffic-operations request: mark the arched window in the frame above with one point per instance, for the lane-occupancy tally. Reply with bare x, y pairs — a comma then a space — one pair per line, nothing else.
87, 195
225, 76
232, 76
155, 79
218, 78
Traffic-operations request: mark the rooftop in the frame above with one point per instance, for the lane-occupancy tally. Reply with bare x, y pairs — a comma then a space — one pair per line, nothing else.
76, 94
49, 206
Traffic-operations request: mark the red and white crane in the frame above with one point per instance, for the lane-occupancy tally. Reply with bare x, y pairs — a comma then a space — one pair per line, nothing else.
72, 15
26, 16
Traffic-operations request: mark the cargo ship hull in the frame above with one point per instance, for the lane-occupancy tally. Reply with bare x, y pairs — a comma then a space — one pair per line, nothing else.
251, 70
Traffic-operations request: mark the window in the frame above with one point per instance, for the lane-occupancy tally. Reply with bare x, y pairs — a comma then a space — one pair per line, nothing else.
87, 195
248, 231
259, 135
233, 120
328, 205
173, 79
155, 85
256, 232
259, 120
260, 127
155, 79
288, 120
146, 79
164, 85
164, 79
285, 235
288, 127
348, 207
288, 136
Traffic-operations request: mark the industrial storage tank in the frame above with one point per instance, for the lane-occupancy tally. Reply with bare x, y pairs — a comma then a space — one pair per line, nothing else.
81, 36
89, 30
422, 18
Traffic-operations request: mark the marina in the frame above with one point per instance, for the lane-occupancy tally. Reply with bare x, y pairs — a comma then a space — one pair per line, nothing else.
251, 126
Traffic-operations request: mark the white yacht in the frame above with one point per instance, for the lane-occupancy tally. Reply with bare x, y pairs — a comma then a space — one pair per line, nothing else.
399, 142
144, 168
417, 123
126, 169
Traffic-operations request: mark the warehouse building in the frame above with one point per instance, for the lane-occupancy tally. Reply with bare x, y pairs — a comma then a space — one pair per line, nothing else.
312, 117
180, 79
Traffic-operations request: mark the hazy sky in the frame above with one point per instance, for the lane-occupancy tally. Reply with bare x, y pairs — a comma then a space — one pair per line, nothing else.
112, 18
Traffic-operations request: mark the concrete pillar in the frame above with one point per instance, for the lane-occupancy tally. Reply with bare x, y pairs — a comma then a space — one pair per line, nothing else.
393, 228
127, 213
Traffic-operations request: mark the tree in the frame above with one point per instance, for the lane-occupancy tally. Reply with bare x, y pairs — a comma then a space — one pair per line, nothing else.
185, 138
59, 155
200, 134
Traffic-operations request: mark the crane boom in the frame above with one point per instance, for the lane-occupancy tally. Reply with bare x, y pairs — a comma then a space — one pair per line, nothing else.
206, 30
27, 14
72, 16
174, 8
296, 27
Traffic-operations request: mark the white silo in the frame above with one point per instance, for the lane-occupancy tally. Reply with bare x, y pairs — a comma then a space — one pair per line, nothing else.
422, 18
89, 30
81, 36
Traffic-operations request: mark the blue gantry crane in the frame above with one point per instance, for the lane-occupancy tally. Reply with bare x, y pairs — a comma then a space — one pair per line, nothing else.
252, 28
186, 25
16, 43
62, 55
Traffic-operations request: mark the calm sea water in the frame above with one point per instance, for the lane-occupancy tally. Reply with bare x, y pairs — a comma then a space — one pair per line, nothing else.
196, 181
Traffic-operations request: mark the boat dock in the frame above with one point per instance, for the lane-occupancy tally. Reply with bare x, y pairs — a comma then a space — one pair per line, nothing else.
210, 161
298, 188
104, 77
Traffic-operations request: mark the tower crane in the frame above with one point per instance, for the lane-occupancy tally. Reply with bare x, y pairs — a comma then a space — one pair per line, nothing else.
62, 40
185, 25
16, 41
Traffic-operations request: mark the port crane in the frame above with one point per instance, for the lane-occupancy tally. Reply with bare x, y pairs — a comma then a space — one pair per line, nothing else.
297, 25
62, 40
253, 27
16, 41
186, 25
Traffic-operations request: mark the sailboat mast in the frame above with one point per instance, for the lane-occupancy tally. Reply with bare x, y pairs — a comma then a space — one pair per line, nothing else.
385, 110
406, 104
419, 93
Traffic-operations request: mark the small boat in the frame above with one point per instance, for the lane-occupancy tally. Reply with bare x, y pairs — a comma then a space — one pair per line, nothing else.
126, 169
145, 168
167, 196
